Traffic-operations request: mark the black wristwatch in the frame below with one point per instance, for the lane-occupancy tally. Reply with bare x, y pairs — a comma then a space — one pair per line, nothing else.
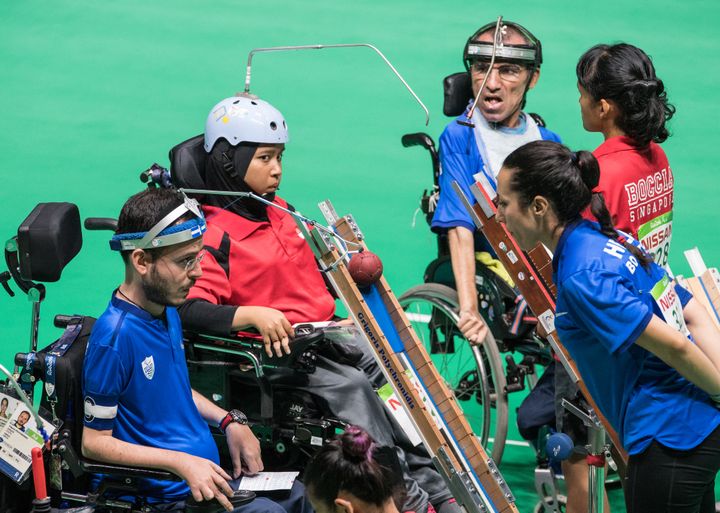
233, 416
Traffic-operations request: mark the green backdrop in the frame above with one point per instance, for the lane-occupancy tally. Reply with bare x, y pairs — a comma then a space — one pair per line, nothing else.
92, 93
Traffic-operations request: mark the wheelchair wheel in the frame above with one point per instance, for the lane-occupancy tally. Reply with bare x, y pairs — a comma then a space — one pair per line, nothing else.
474, 373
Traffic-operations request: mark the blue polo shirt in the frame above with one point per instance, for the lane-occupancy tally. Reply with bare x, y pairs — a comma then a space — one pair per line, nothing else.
460, 160
135, 383
604, 303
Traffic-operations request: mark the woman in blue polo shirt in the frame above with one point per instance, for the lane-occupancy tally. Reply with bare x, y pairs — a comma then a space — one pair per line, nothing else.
648, 352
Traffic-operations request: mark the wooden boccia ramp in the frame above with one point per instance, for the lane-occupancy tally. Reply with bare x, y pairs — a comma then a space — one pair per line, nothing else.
704, 285
532, 273
471, 475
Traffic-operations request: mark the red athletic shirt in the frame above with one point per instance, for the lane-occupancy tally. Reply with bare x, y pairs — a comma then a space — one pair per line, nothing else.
265, 263
638, 187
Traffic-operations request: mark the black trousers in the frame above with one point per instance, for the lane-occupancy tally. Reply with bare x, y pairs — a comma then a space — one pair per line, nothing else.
663, 480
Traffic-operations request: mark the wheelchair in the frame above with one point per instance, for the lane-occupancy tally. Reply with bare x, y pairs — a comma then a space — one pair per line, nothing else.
47, 241
479, 376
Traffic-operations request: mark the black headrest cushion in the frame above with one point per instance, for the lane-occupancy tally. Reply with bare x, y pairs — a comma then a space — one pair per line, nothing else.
187, 163
47, 240
458, 92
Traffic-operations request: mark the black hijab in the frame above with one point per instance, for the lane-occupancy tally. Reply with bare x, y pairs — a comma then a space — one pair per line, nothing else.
225, 171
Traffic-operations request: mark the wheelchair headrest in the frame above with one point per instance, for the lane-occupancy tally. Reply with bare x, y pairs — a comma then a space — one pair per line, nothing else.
187, 163
457, 90
47, 240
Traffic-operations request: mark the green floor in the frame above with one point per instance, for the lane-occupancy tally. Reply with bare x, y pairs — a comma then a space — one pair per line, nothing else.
92, 93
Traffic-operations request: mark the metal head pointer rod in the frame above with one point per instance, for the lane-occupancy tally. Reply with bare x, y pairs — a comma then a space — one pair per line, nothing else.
322, 47
497, 41
256, 197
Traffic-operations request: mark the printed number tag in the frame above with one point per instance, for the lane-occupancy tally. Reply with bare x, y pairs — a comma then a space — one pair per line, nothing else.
666, 298
655, 237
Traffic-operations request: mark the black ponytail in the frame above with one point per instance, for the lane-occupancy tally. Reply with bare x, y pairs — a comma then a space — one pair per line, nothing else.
566, 179
625, 74
551, 170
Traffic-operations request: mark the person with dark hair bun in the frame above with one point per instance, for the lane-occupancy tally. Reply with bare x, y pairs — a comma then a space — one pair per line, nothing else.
621, 97
347, 476
647, 351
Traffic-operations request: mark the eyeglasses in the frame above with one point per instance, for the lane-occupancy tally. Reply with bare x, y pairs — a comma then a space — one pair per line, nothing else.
507, 72
190, 263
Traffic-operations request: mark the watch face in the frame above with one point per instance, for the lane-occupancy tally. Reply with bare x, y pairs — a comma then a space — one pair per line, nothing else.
238, 416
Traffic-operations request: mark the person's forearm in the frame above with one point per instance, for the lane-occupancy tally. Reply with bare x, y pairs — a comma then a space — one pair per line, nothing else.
106, 448
204, 317
211, 412
462, 255
678, 352
703, 330
244, 318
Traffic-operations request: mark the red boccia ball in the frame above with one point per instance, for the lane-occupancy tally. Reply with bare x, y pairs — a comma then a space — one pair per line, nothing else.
365, 268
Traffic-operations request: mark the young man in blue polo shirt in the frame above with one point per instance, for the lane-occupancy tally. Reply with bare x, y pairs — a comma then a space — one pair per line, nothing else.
139, 407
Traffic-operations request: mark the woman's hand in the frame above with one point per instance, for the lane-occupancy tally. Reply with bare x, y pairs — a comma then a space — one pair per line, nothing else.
272, 324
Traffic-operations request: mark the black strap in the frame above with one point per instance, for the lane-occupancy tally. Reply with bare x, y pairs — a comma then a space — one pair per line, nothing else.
538, 119
222, 253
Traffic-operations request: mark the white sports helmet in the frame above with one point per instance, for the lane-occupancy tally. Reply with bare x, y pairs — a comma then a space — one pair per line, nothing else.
245, 118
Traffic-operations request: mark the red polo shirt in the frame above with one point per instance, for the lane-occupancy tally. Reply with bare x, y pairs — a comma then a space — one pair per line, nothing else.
264, 263
638, 187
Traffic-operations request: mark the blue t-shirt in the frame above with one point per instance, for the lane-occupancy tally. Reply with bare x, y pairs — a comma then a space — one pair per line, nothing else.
459, 160
604, 304
135, 382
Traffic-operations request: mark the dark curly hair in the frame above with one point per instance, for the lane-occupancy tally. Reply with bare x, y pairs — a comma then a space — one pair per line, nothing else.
625, 74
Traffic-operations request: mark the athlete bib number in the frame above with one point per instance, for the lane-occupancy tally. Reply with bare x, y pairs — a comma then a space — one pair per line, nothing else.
655, 238
666, 298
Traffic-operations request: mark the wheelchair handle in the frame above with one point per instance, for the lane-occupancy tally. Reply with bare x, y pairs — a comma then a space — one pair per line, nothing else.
100, 223
418, 139
21, 360
424, 140
63, 321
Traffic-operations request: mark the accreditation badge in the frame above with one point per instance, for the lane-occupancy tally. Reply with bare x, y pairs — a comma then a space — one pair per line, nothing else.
655, 237
667, 300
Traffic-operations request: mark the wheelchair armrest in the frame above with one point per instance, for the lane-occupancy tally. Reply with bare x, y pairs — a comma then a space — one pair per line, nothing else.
307, 340
79, 465
239, 498
110, 469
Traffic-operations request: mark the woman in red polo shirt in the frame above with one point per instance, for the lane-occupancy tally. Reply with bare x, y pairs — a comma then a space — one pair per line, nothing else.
621, 97
260, 272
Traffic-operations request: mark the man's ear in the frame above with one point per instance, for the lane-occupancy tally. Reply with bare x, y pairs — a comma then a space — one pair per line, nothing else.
139, 259
343, 506
534, 79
